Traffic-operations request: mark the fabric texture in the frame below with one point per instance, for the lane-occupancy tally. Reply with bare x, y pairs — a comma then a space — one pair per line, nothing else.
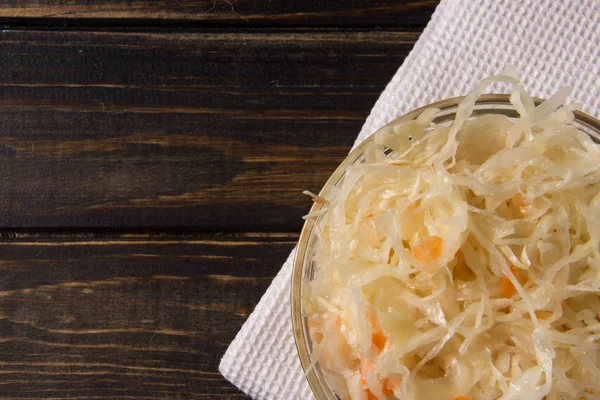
551, 43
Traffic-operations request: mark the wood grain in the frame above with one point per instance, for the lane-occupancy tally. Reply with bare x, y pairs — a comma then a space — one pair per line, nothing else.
214, 131
388, 13
127, 317
148, 151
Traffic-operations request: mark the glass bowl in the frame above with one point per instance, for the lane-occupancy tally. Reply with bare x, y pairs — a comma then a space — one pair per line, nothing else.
303, 266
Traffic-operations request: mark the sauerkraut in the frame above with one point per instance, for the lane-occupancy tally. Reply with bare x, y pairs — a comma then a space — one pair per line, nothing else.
462, 261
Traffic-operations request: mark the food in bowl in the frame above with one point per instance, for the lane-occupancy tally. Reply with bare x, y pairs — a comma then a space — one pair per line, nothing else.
462, 261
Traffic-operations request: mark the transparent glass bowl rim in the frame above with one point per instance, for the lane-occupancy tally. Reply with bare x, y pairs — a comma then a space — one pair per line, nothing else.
489, 103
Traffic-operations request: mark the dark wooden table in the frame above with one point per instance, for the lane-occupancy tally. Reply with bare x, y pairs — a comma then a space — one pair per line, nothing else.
152, 158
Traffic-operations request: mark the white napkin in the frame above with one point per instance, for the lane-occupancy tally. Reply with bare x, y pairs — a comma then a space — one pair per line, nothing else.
552, 43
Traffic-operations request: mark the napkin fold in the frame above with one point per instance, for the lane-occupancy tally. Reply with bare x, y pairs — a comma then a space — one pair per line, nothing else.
552, 43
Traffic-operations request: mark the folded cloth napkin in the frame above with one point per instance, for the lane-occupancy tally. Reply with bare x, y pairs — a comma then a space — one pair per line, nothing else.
552, 43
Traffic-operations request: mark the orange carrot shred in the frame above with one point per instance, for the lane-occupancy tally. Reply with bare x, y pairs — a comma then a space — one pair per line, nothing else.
508, 289
378, 340
387, 391
429, 249
461, 398
371, 396
392, 383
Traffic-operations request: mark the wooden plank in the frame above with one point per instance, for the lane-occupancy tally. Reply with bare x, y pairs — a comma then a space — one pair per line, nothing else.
212, 131
390, 13
123, 317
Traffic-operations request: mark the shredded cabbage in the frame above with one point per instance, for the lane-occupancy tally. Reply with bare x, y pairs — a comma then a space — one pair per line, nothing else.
463, 260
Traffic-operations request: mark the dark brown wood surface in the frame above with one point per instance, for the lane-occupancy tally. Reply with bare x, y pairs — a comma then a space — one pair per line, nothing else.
216, 131
127, 317
342, 13
152, 159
